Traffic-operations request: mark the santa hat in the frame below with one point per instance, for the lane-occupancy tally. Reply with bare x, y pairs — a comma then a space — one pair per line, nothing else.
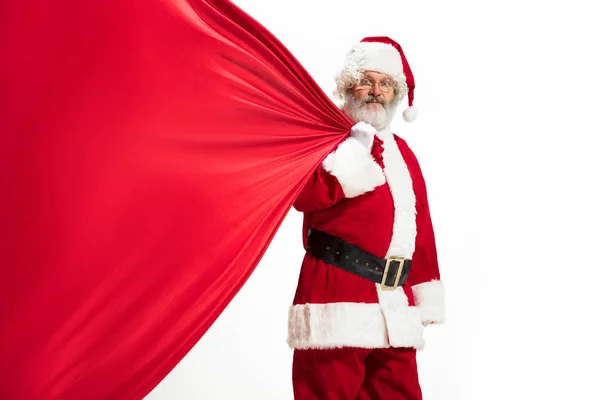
382, 54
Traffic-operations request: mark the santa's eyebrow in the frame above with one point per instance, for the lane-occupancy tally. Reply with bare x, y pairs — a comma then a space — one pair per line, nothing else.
366, 76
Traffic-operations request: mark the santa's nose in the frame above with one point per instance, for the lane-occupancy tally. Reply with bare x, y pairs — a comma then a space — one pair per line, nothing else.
375, 91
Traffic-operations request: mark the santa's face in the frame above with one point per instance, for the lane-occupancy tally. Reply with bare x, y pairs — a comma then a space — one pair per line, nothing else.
375, 89
371, 100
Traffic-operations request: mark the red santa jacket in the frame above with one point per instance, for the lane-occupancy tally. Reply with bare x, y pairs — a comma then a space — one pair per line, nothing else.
378, 201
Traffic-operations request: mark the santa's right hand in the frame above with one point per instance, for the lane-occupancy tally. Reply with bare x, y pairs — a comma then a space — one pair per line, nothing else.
364, 133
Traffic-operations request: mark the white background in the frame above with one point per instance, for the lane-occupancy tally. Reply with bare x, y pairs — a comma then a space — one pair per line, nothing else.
507, 139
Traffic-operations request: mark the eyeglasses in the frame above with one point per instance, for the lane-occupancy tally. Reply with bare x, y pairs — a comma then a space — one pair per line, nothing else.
367, 83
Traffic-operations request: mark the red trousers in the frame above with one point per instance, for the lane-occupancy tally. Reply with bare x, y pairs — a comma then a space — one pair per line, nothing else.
356, 374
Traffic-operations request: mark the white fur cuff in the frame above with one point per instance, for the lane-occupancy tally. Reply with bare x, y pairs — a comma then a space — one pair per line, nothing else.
354, 167
429, 299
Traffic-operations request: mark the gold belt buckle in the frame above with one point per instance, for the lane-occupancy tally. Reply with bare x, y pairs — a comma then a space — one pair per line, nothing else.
398, 274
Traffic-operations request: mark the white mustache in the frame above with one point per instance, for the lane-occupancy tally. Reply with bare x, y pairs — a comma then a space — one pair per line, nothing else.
371, 99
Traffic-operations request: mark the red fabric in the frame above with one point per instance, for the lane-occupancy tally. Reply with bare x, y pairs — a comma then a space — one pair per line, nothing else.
149, 150
377, 152
354, 373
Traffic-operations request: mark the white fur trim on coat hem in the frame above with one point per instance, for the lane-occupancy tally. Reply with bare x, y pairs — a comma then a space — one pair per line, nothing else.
335, 325
403, 321
354, 167
429, 298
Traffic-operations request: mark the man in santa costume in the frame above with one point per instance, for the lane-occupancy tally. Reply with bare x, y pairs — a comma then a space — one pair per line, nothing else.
370, 281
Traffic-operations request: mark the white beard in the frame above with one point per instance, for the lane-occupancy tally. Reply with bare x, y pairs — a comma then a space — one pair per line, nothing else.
380, 117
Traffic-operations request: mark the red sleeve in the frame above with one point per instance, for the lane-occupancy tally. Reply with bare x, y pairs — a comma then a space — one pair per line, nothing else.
424, 275
425, 257
321, 191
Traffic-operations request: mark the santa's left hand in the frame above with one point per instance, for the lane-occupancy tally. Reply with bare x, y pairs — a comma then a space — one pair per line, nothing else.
364, 133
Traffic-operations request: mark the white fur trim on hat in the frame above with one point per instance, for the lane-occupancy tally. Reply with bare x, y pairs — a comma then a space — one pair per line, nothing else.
373, 56
410, 114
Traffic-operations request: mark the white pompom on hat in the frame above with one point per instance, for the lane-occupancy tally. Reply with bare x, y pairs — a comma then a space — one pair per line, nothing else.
382, 54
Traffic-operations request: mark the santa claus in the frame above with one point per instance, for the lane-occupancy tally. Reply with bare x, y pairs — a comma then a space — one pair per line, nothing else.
369, 281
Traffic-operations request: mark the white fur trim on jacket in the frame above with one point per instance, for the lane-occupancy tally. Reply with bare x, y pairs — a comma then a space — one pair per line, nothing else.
354, 167
396, 172
429, 298
335, 325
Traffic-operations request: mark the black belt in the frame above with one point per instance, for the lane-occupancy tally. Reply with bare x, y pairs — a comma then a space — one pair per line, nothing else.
390, 273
